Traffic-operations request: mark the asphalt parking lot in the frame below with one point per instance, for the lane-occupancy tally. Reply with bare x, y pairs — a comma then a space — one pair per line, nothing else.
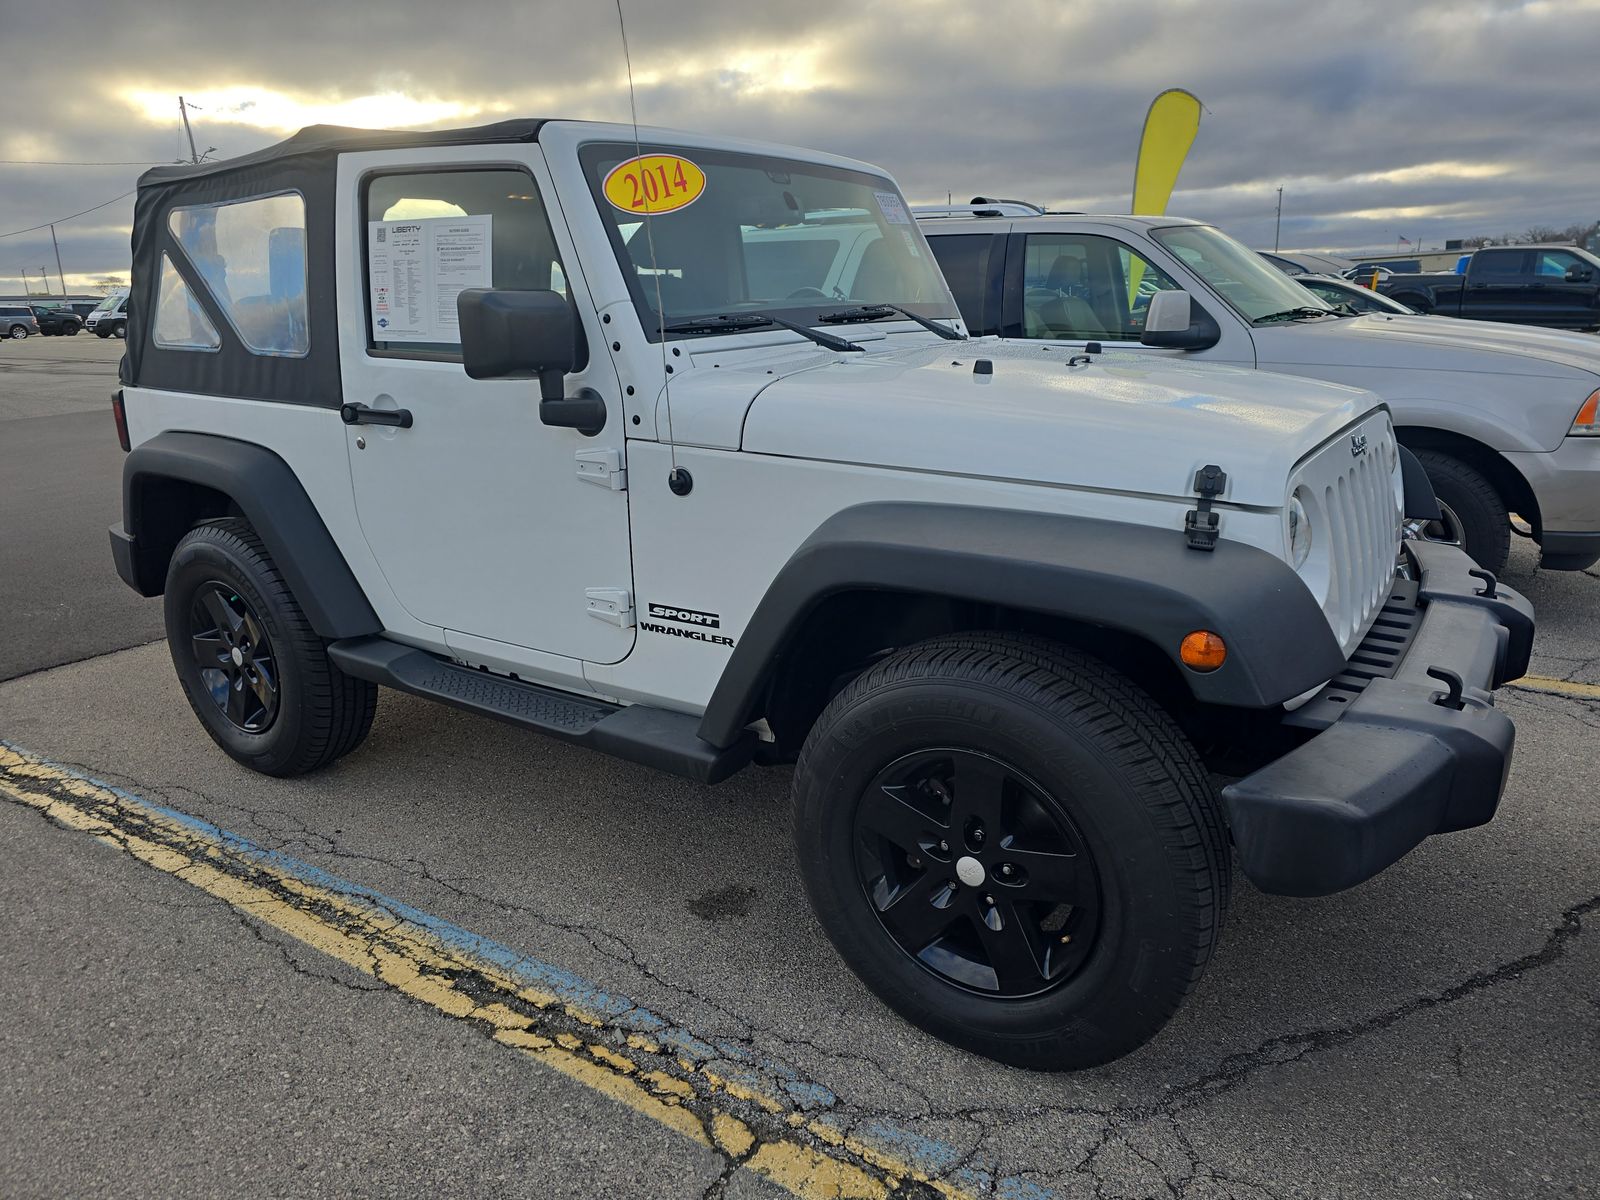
471, 961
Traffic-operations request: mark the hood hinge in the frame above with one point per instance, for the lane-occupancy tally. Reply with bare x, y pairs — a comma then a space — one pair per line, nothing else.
1201, 523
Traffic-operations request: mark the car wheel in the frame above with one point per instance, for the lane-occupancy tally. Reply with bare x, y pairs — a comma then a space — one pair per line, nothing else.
1014, 847
1475, 516
18, 332
119, 330
72, 331
254, 671
102, 333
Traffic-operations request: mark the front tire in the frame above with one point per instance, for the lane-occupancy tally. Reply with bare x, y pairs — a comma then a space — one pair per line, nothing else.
1013, 847
119, 330
1481, 520
254, 671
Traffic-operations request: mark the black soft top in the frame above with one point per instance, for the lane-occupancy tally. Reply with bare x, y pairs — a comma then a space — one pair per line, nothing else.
306, 163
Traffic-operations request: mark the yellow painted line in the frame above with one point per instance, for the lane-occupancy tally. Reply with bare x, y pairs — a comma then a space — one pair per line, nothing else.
752, 1127
1558, 687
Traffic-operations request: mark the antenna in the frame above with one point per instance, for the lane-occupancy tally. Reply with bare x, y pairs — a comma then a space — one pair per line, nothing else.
675, 480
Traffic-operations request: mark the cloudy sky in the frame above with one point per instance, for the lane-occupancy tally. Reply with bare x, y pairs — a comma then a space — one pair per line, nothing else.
1425, 119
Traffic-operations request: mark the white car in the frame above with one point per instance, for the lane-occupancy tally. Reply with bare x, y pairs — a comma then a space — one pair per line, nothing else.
109, 318
1503, 416
685, 458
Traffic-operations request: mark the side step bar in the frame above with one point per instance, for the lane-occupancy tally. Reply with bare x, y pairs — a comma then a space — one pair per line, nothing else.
654, 737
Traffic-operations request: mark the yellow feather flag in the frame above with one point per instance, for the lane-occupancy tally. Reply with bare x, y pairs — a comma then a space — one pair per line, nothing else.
1169, 131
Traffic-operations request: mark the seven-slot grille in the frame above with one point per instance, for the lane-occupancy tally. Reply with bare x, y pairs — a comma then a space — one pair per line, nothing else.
1353, 493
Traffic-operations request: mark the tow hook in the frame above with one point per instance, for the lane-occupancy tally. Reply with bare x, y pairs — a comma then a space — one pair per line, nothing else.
1452, 681
1489, 581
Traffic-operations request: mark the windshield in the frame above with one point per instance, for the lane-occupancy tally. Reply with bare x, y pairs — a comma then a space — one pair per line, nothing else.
108, 303
732, 232
1239, 275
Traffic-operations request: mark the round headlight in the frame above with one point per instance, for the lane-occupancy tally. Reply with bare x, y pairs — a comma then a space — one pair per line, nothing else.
1299, 531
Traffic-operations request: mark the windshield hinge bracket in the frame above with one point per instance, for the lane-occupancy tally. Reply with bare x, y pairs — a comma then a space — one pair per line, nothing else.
603, 468
1202, 523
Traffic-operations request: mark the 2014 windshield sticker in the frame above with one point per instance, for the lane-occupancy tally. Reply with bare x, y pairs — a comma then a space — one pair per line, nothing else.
654, 184
893, 208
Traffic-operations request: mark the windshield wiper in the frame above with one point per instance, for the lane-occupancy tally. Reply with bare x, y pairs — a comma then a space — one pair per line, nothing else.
724, 322
1294, 314
872, 312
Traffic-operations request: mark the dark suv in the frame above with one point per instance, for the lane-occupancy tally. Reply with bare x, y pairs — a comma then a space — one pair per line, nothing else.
17, 321
57, 320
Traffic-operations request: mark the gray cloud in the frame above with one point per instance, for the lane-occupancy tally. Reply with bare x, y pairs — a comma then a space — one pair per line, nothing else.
1034, 98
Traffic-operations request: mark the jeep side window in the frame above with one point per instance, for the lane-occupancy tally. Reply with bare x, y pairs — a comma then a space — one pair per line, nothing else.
180, 322
1083, 286
251, 255
522, 249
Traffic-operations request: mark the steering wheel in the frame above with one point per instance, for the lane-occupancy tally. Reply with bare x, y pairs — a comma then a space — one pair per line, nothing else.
807, 293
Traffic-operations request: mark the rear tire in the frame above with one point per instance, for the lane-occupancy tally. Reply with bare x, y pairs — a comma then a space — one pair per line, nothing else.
1482, 516
1102, 807
254, 671
18, 332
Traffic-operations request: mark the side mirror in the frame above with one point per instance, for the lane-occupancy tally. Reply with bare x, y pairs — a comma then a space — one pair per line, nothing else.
511, 334
1174, 322
1579, 274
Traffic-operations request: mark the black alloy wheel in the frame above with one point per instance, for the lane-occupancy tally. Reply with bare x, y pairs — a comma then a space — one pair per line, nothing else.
234, 657
976, 874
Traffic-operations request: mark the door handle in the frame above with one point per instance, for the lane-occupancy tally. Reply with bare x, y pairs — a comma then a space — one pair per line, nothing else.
360, 414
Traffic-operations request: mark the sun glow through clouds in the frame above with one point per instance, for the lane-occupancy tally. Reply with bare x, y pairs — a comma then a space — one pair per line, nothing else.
263, 108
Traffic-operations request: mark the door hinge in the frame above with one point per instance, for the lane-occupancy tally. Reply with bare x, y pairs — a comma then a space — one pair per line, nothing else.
604, 468
1202, 523
612, 605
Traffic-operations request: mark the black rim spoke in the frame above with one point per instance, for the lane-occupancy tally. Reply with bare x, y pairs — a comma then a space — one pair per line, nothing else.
209, 648
907, 826
1010, 947
977, 873
227, 621
1052, 877
919, 912
978, 786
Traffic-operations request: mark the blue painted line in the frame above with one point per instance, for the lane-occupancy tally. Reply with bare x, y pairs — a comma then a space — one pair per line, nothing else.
926, 1154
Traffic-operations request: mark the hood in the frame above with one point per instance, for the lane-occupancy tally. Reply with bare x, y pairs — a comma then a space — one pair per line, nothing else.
1394, 342
1122, 423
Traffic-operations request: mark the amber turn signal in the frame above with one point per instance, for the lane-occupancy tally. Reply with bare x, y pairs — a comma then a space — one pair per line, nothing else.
1202, 650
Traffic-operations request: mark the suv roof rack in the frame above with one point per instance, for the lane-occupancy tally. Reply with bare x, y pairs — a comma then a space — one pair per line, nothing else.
980, 206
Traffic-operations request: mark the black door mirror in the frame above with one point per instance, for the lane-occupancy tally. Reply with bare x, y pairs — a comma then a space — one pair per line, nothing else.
1579, 274
511, 334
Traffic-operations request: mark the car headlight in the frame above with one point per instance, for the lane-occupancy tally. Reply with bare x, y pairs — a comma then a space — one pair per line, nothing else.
1587, 422
1299, 531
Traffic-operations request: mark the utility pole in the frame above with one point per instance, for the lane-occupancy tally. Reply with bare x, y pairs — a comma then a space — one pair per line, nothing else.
44, 277
59, 274
1277, 228
183, 111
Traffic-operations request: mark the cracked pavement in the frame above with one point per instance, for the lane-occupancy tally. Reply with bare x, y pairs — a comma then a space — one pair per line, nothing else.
1433, 1033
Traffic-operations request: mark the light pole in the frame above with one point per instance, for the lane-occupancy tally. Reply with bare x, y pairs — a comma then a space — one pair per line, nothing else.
183, 110
59, 274
1277, 227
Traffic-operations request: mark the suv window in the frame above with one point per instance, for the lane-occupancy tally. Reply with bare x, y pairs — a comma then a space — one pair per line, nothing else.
1084, 286
513, 248
252, 256
180, 324
967, 262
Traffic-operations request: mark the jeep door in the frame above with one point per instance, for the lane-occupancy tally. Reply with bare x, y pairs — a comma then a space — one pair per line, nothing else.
475, 511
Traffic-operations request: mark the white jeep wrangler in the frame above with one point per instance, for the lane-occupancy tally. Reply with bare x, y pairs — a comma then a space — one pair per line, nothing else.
676, 449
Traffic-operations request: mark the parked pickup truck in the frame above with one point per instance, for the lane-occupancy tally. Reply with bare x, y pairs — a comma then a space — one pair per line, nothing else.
1503, 417
680, 453
1557, 286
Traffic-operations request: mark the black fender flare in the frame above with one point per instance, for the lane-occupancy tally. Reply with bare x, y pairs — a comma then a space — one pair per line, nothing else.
1134, 578
1420, 502
269, 494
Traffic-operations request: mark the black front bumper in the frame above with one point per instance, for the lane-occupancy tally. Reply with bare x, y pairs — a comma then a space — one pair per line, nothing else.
1399, 756
1568, 551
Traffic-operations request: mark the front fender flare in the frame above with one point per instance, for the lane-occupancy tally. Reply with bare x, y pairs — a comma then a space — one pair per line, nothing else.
1134, 578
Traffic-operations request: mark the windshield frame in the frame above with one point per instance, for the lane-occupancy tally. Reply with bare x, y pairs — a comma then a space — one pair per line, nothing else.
1296, 295
807, 313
